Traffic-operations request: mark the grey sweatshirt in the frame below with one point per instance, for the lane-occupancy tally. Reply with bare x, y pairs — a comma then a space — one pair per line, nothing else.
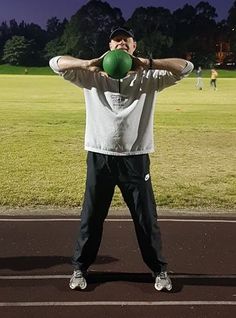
119, 113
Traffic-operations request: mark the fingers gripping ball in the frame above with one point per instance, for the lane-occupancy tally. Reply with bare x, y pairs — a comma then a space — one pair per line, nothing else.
117, 63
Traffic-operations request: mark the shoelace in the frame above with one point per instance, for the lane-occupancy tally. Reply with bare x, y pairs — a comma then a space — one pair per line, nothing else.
78, 275
163, 275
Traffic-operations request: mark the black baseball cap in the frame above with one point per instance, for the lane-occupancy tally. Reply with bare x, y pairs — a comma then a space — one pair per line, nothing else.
120, 30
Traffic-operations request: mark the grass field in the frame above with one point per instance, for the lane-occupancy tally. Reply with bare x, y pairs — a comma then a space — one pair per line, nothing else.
42, 120
46, 70
20, 70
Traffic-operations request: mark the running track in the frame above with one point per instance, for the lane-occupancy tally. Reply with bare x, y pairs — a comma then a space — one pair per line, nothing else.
35, 269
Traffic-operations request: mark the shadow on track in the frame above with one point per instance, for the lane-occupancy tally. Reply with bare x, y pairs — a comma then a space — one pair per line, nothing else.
98, 278
27, 263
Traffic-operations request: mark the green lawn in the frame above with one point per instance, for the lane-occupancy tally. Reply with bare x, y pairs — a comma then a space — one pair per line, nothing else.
20, 70
46, 70
42, 120
222, 73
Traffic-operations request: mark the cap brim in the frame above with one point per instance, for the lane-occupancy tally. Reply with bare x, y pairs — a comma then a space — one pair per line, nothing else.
123, 32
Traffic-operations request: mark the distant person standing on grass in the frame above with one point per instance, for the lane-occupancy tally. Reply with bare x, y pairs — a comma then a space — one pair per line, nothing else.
199, 83
214, 75
119, 138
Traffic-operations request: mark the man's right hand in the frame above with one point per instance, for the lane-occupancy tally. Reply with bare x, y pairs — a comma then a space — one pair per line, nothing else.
95, 65
66, 63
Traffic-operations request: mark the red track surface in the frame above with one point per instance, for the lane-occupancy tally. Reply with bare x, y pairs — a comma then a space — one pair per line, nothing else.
201, 256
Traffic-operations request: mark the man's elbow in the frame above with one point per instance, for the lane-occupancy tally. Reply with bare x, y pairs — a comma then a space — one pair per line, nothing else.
53, 63
188, 68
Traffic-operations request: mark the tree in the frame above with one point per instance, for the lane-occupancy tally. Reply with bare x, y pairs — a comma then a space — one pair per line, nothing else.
232, 16
232, 28
205, 34
53, 48
150, 20
88, 30
13, 26
34, 32
18, 51
35, 37
154, 45
184, 21
153, 28
55, 28
4, 36
206, 11
196, 33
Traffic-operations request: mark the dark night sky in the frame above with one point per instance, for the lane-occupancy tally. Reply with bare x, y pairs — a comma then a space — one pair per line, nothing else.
39, 11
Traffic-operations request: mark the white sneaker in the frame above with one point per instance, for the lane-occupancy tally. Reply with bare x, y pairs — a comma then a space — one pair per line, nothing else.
77, 280
162, 281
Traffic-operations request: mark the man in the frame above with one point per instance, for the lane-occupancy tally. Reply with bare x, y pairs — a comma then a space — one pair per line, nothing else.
119, 138
199, 83
214, 75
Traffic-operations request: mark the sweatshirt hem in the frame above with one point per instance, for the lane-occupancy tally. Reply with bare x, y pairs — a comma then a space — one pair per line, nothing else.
123, 153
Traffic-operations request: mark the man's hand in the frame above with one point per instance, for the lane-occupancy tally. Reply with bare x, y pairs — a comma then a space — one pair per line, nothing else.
69, 63
95, 65
139, 64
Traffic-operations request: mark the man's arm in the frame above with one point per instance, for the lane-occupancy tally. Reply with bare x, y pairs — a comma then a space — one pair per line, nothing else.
66, 63
177, 66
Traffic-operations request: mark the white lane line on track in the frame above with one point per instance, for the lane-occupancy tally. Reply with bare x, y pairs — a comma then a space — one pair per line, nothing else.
119, 303
119, 220
25, 277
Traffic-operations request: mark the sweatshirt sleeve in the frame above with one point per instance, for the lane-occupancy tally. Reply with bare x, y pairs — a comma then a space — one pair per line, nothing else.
53, 63
81, 78
187, 69
164, 79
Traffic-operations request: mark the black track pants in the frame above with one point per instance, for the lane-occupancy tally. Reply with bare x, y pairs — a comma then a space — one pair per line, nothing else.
131, 174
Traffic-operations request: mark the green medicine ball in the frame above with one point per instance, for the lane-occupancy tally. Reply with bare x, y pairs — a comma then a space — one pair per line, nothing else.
117, 63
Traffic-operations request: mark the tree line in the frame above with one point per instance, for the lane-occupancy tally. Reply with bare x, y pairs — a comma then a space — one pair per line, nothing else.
190, 32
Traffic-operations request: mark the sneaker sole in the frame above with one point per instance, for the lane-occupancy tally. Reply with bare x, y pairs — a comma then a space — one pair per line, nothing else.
168, 287
78, 286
